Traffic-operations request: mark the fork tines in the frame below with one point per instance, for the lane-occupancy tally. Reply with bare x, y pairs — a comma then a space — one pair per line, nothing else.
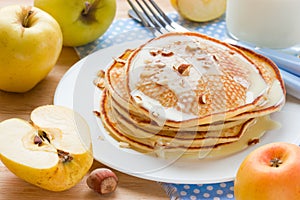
152, 16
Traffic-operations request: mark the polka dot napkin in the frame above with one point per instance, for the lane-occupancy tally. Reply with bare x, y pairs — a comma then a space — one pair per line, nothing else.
125, 30
217, 191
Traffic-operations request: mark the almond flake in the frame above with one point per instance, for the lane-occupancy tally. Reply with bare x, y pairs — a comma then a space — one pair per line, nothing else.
253, 141
124, 145
146, 74
203, 99
138, 99
215, 57
155, 114
118, 60
191, 47
154, 52
101, 73
162, 82
183, 69
167, 53
99, 82
160, 64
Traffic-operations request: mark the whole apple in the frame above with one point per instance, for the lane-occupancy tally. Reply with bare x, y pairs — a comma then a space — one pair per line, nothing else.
270, 172
30, 44
81, 21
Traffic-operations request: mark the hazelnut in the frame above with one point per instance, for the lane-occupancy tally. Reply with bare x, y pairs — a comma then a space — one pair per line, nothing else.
102, 181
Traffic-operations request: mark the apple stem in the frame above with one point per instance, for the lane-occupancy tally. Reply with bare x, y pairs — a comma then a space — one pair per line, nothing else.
26, 19
87, 8
275, 162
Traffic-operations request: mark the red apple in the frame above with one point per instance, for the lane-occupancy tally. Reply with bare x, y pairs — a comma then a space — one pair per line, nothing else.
272, 171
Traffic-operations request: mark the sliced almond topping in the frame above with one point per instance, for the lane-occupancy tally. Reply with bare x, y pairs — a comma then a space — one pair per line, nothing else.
155, 114
184, 69
97, 113
118, 60
154, 52
146, 74
147, 61
191, 47
201, 57
167, 53
124, 145
203, 99
215, 57
99, 82
160, 64
138, 99
101, 73
231, 52
162, 82
253, 141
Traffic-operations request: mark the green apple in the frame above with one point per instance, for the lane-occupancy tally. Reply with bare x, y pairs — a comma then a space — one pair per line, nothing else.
81, 21
30, 44
53, 151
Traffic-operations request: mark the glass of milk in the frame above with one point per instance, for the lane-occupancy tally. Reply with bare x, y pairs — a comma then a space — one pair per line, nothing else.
265, 23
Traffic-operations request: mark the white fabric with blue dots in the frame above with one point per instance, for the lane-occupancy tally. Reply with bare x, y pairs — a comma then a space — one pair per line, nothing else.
126, 30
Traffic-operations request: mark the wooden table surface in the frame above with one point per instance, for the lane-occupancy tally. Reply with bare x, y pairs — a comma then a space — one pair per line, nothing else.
20, 105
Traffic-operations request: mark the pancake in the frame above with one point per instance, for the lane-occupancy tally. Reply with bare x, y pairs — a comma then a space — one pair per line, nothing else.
220, 105
115, 83
150, 125
168, 146
274, 98
186, 79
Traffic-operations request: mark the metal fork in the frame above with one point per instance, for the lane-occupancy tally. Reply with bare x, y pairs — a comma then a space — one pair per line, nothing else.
153, 18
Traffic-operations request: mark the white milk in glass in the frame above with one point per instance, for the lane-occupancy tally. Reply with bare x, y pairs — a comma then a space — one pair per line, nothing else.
266, 23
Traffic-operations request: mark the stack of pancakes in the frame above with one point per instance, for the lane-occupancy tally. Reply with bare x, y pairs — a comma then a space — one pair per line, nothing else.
189, 94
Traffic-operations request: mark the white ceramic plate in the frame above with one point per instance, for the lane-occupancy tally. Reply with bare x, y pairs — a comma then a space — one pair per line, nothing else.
77, 91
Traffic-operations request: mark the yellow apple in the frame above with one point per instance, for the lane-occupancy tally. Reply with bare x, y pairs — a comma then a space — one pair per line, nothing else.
81, 21
30, 44
200, 10
53, 151
270, 172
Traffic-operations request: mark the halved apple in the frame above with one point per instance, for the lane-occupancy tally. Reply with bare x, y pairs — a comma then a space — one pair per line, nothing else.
200, 10
53, 151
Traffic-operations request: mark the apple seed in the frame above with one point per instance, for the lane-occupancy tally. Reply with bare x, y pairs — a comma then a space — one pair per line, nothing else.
43, 135
37, 140
64, 156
